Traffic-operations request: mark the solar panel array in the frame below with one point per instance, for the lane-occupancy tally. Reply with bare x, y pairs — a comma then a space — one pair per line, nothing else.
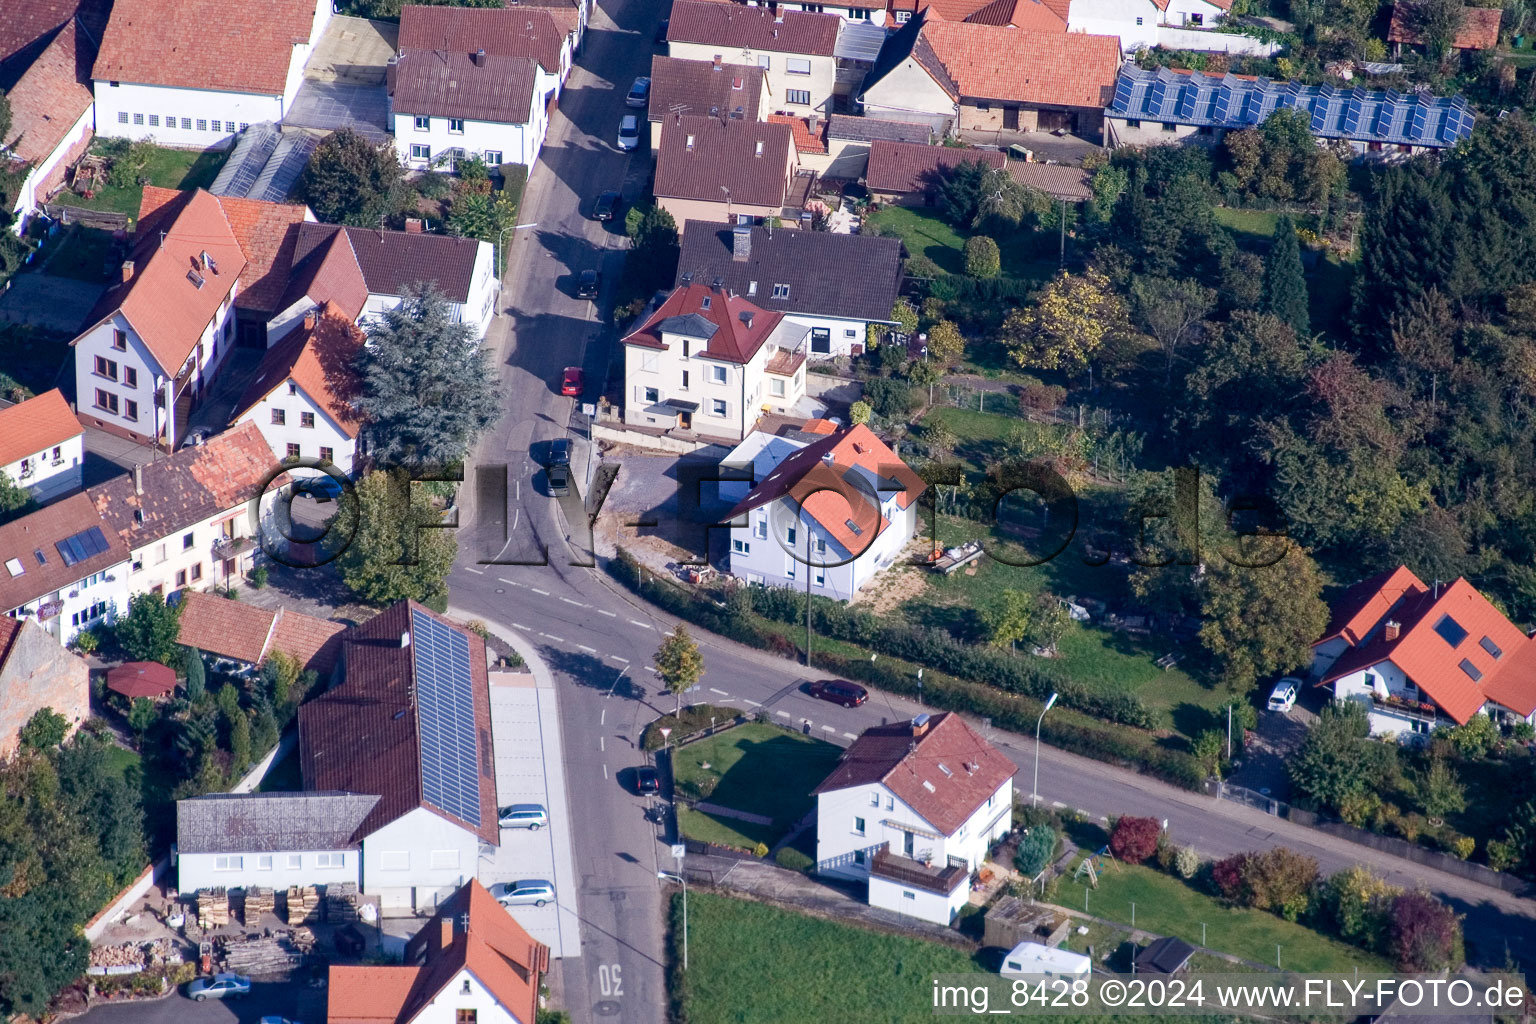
85, 544
445, 715
1229, 101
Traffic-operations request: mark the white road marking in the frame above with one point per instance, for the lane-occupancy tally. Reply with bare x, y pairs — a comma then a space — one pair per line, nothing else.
720, 692
642, 625
748, 700
849, 735
828, 728
782, 714
477, 572
650, 668
619, 657
578, 604
551, 636
602, 743
589, 650
604, 611
605, 771
603, 718
510, 583
1057, 803
519, 625
541, 593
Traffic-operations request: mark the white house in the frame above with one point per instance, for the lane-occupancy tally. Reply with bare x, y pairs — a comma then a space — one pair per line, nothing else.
447, 106
914, 808
1173, 23
835, 284
301, 395
51, 117
795, 49
274, 840
64, 567
838, 510
431, 766
42, 446
1420, 657
471, 963
193, 73
711, 363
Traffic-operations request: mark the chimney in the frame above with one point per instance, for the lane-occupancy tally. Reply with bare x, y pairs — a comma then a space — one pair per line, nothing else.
480, 58
1391, 631
127, 270
919, 725
310, 319
718, 65
405, 638
746, 318
447, 934
813, 122
741, 242
138, 478
778, 17
413, 225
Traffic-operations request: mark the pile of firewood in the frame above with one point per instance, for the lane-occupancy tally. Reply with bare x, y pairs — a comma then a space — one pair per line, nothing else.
341, 902
212, 908
259, 900
304, 906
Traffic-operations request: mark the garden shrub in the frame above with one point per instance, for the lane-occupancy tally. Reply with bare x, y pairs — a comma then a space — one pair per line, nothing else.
1279, 880
1425, 934
982, 258
793, 859
1357, 903
1036, 849
1227, 878
1186, 862
889, 397
1133, 840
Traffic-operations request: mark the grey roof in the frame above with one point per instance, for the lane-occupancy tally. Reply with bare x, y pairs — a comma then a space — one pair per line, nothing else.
859, 40
1230, 101
265, 164
853, 276
868, 129
270, 822
689, 325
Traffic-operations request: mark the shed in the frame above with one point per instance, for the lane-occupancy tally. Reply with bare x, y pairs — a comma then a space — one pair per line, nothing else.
1012, 921
1165, 956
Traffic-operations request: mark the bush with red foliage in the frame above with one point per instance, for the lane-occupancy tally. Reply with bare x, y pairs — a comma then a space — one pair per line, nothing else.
1425, 933
1135, 839
1227, 876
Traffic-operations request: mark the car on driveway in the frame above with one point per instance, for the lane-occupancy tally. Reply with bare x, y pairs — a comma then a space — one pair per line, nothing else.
559, 480
321, 488
219, 986
606, 206
529, 816
572, 381
639, 93
559, 452
528, 892
646, 780
588, 283
839, 691
629, 133
1283, 697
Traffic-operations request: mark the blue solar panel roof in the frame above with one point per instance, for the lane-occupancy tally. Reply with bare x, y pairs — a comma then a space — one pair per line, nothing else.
445, 711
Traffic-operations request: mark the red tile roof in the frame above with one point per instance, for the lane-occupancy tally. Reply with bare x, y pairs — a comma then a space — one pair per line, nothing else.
41, 531
50, 96
1366, 603
1030, 14
328, 272
701, 86
204, 44
701, 155
913, 167
1514, 685
36, 425
945, 775
28, 21
319, 359
1069, 69
1059, 181
730, 337
805, 140
734, 27
162, 301
314, 643
244, 632
500, 32
1479, 28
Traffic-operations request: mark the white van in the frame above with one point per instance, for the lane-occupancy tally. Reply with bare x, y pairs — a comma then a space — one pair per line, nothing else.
1042, 963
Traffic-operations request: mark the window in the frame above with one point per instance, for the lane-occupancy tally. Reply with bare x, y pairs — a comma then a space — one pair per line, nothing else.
781, 291
120, 340
232, 862
1205, 129
797, 66
188, 540
186, 124
130, 410
874, 799
420, 152
1450, 631
197, 572
819, 575
279, 417
264, 862
106, 401
740, 547
850, 332
293, 451
907, 894
717, 374
760, 528
858, 15
1169, 127
217, 126
902, 17
983, 106
423, 124
106, 368
455, 126
493, 158
821, 340
122, 117
330, 860
307, 420
160, 554
789, 566
1485, 643
464, 1016
293, 388
327, 455
202, 124
799, 96
181, 578
243, 126
1138, 21
821, 546
858, 826
685, 380
170, 120
652, 395
1132, 122
776, 387
138, 118
790, 533
717, 407
130, 377
444, 860
762, 61
1473, 672
1197, 19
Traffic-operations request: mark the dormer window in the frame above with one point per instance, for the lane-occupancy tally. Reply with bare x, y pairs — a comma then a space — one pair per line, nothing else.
195, 278
781, 291
704, 303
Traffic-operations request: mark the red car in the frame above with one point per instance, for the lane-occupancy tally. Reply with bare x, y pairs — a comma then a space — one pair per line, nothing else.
572, 381
839, 691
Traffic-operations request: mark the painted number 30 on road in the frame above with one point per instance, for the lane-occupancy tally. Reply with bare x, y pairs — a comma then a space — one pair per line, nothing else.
609, 981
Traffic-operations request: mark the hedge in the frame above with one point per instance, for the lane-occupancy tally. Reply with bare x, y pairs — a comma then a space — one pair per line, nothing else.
1012, 709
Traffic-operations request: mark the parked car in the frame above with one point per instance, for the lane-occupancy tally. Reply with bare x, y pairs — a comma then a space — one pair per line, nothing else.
277, 1020
219, 986
607, 206
559, 480
639, 93
529, 816
572, 381
321, 488
526, 893
1283, 697
588, 283
629, 133
559, 452
839, 691
646, 780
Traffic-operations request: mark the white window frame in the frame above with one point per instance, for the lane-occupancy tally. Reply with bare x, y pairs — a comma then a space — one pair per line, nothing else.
421, 124
717, 375
421, 151
651, 396
330, 860
764, 62
492, 158
740, 547
264, 862
776, 386
858, 826
797, 66
455, 121
789, 566
718, 408
228, 862
295, 861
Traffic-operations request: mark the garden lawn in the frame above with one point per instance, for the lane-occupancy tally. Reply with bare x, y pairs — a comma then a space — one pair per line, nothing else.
926, 233
168, 168
33, 357
1168, 906
83, 255
757, 768
1259, 223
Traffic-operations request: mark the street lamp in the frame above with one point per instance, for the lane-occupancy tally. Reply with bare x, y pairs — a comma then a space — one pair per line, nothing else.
680, 880
1034, 792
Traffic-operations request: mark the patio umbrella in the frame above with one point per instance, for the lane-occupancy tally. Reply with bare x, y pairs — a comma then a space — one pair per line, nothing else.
141, 679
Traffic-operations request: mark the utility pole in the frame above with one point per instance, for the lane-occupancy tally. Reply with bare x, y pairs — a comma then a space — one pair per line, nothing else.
807, 594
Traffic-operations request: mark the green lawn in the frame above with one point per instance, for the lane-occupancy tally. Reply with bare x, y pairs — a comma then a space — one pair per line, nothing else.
83, 255
122, 759
168, 168
1168, 906
1259, 223
926, 233
33, 357
758, 768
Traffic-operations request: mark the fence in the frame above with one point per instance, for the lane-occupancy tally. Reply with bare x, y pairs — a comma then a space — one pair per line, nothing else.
96, 926
104, 219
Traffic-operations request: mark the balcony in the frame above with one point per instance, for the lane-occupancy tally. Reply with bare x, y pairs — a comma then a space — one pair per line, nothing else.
904, 871
231, 547
783, 362
1414, 710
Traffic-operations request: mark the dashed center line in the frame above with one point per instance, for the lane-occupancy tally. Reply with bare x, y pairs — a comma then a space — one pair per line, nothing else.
604, 611
720, 692
589, 650
828, 728
782, 714
510, 583
578, 604
637, 622
748, 700
519, 625
541, 593
551, 636
477, 572
619, 657
849, 736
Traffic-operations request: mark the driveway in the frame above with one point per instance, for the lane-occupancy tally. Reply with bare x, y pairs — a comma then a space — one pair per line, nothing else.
525, 733
1270, 748
292, 999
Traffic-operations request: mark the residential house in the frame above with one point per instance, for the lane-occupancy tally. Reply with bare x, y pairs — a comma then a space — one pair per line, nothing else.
42, 446
159, 334
869, 11
409, 723
244, 635
194, 73
722, 170
327, 272
1142, 24
838, 510
849, 139
711, 363
706, 88
909, 174
1479, 28
572, 15
475, 83
795, 49
194, 519
65, 568
1419, 657
390, 264
837, 285
274, 840
946, 74
51, 104
37, 673
301, 397
913, 807
809, 135
471, 963
1194, 108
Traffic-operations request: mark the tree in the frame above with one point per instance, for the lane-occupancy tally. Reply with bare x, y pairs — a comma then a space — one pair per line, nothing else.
1036, 847
958, 192
481, 215
5, 116
1262, 621
427, 389
940, 439
1425, 933
982, 257
888, 397
1338, 760
1280, 881
679, 663
352, 180
399, 549
860, 412
45, 730
1049, 623
946, 345
905, 316
149, 631
1076, 316
1359, 903
1171, 310
197, 677
141, 715
1474, 739
1004, 203
1437, 22
1440, 791
1208, 749
1134, 839
653, 247
1008, 621
1284, 294
15, 500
